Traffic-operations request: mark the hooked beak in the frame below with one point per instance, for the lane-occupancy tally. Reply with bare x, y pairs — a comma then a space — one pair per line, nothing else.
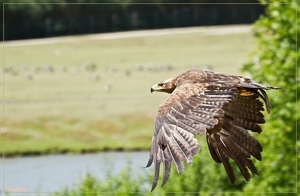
155, 88
151, 90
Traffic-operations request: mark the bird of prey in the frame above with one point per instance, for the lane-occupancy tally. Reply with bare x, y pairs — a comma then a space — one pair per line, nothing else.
224, 107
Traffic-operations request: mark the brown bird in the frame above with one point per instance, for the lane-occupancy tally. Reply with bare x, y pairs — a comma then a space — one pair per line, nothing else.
221, 106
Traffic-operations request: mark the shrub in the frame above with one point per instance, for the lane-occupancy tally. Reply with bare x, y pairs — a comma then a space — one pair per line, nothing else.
275, 62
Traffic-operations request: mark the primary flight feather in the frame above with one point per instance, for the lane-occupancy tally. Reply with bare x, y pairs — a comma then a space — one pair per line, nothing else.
224, 107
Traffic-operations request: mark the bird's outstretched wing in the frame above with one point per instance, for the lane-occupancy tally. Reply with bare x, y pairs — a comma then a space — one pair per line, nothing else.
221, 111
230, 138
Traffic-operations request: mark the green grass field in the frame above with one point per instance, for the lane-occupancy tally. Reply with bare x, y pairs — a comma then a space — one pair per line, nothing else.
92, 95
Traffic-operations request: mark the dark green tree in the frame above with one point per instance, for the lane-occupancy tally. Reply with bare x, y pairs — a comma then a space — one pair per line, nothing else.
275, 62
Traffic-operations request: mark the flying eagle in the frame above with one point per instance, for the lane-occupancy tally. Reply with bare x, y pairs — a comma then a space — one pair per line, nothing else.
221, 106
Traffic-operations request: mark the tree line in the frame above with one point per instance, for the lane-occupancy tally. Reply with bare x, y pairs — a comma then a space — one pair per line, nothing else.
38, 18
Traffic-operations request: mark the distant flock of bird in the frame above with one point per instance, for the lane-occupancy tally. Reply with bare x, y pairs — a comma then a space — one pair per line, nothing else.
27, 72
88, 67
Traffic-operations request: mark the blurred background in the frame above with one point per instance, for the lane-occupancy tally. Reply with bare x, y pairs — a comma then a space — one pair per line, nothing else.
77, 112
34, 18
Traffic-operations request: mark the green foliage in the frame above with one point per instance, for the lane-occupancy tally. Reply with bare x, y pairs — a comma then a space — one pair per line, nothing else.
123, 183
275, 62
203, 177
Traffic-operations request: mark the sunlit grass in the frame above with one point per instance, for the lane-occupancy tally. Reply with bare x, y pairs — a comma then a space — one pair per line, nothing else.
72, 109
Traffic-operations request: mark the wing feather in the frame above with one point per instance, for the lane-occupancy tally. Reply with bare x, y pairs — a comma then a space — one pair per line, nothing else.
156, 175
231, 136
167, 170
220, 154
186, 122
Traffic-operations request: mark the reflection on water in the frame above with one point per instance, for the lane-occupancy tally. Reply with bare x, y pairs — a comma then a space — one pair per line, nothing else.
53, 172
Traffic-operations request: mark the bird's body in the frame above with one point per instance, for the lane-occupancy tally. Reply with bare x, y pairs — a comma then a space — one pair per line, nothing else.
224, 107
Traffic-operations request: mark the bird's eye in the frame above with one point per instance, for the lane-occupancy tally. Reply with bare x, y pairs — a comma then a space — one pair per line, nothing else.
160, 84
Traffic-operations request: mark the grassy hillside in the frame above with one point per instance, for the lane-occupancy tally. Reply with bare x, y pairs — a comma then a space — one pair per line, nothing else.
90, 95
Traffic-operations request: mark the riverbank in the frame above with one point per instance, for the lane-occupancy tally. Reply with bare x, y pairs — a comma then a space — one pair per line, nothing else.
125, 134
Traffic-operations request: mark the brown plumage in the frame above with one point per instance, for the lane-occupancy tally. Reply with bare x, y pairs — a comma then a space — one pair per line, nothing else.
221, 106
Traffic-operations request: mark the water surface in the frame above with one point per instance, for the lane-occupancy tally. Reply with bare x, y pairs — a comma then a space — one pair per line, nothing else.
53, 172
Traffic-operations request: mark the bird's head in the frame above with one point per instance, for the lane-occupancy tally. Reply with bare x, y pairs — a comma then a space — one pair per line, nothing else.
166, 86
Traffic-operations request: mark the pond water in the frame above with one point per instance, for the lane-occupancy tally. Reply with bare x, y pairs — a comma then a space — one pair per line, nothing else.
53, 172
